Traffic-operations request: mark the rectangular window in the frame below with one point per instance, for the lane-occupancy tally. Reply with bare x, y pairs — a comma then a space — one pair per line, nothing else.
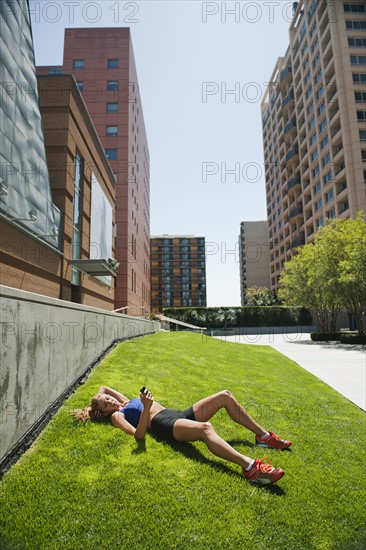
324, 142
323, 125
318, 205
112, 85
363, 153
112, 107
362, 135
111, 154
332, 213
354, 8
78, 64
318, 76
359, 78
361, 115
77, 215
357, 42
328, 177
316, 171
316, 188
112, 130
314, 155
326, 159
319, 222
321, 109
360, 97
329, 196
358, 59
356, 25
113, 63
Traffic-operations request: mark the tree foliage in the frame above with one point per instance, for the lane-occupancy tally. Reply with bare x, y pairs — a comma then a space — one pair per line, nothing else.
260, 296
330, 274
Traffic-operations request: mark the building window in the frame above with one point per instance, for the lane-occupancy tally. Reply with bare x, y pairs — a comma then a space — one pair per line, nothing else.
321, 109
112, 107
358, 59
314, 155
320, 92
359, 78
111, 130
112, 85
319, 74
332, 213
324, 142
318, 205
356, 25
319, 222
307, 78
354, 8
77, 215
313, 139
78, 64
363, 153
316, 171
360, 97
362, 135
357, 42
316, 60
80, 85
113, 63
317, 188
312, 123
55, 70
361, 115
111, 154
306, 63
311, 108
326, 159
323, 125
329, 196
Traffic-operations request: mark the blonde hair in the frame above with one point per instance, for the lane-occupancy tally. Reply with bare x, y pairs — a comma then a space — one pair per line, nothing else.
88, 412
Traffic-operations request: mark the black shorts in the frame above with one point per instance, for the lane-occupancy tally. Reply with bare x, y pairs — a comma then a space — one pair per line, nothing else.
163, 422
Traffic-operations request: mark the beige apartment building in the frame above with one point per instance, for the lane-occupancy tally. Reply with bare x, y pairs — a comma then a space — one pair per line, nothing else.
253, 256
314, 126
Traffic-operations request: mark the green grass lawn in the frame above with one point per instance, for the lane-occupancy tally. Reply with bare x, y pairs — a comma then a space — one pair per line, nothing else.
90, 486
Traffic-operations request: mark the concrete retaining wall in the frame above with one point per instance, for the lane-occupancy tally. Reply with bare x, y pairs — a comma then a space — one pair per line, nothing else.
46, 344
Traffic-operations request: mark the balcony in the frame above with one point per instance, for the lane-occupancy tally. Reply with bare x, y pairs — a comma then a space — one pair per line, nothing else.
285, 74
296, 212
288, 98
293, 182
299, 241
289, 126
292, 154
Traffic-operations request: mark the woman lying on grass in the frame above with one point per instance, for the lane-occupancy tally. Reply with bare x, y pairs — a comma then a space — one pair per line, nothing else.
136, 416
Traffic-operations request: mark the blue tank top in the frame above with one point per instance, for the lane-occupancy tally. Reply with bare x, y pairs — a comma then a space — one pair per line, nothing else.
132, 411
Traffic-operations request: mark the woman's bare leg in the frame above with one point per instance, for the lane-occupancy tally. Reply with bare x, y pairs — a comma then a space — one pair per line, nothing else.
206, 408
189, 430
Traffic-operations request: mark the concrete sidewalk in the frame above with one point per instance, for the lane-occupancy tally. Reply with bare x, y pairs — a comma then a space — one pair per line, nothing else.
340, 366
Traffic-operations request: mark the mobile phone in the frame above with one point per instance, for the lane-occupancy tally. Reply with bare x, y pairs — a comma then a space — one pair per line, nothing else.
142, 390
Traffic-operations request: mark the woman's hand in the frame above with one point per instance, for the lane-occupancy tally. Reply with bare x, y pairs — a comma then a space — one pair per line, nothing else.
147, 399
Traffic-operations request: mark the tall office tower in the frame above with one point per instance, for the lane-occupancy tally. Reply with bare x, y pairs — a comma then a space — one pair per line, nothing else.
102, 62
314, 126
178, 271
253, 256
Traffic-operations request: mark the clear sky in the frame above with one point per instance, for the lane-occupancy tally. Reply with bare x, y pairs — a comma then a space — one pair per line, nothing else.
202, 69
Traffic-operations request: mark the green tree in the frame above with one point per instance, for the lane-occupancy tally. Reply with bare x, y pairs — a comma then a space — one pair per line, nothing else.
329, 273
260, 296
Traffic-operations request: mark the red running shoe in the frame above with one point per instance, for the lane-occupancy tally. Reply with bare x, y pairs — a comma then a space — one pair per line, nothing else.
263, 473
272, 441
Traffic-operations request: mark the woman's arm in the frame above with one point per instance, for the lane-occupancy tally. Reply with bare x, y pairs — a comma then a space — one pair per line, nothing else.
119, 420
113, 393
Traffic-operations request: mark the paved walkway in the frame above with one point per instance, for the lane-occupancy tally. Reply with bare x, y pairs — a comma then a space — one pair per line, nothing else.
340, 366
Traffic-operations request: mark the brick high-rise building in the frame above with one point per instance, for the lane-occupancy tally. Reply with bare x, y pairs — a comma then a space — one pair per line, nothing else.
178, 271
102, 62
314, 126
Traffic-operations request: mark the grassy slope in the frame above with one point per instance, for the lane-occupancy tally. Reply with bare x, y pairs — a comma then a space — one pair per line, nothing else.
91, 486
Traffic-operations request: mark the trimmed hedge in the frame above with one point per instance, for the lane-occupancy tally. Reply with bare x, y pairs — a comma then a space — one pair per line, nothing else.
325, 336
248, 316
352, 338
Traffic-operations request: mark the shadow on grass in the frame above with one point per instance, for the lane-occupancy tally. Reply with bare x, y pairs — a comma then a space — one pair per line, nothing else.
192, 453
